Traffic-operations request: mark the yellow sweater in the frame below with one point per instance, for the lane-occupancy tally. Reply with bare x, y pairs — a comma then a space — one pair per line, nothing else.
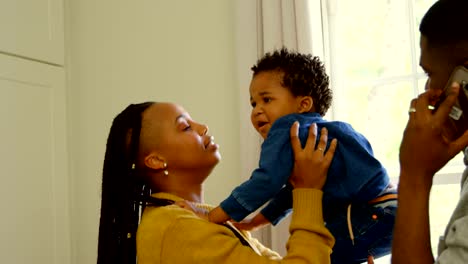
174, 235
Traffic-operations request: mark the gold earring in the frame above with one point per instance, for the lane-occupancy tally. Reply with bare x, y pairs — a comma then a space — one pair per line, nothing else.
165, 169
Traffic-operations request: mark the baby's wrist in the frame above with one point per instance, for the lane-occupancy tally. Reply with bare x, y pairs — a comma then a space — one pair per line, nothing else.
209, 216
218, 216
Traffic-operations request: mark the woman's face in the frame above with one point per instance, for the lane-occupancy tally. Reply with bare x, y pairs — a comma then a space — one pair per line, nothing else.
183, 143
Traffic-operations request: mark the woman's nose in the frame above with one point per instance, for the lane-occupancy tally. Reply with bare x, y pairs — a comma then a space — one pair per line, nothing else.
203, 129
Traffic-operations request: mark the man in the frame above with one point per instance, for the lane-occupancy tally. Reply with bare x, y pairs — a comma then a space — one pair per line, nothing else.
424, 151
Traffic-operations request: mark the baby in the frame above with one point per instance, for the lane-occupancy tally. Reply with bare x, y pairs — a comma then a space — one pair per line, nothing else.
359, 203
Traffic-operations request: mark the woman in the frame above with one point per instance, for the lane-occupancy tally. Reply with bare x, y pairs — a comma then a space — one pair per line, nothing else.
157, 159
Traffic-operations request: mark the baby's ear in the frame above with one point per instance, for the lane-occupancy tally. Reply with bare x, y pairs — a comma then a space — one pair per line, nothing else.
305, 104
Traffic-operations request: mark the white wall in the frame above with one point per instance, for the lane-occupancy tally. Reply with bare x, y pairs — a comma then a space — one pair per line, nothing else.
120, 52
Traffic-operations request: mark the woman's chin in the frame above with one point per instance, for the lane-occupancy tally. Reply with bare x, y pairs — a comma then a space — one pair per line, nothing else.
218, 157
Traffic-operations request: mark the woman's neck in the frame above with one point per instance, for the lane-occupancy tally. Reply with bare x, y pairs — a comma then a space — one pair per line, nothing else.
186, 186
190, 193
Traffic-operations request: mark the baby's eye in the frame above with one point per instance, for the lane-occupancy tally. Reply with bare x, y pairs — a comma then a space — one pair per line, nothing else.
253, 104
266, 99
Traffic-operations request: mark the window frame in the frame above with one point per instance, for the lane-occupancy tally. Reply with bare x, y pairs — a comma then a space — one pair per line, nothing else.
449, 174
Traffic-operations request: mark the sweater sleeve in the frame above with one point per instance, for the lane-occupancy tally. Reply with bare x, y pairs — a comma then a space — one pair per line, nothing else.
189, 239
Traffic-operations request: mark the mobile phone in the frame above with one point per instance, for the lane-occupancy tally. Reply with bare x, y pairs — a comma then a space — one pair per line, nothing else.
457, 124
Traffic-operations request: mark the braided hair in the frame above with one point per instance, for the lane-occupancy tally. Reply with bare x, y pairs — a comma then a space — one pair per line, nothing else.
124, 194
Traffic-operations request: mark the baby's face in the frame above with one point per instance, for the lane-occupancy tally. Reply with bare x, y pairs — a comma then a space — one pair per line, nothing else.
270, 101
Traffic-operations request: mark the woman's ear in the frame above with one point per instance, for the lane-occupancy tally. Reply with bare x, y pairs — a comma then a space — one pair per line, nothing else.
155, 162
305, 104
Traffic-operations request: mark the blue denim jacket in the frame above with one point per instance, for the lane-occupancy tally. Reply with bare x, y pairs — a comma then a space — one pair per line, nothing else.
355, 175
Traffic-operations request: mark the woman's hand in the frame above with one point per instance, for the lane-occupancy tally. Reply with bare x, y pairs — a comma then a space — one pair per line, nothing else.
311, 163
424, 150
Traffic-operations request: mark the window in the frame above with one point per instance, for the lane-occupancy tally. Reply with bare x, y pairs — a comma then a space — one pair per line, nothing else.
372, 49
374, 68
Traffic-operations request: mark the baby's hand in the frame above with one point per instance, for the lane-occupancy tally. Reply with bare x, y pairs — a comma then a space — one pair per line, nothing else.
252, 224
189, 206
218, 216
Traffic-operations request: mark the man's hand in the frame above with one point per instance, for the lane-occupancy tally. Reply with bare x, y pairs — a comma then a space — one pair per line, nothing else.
424, 150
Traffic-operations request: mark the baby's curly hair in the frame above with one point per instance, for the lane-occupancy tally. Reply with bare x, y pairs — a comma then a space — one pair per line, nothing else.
304, 75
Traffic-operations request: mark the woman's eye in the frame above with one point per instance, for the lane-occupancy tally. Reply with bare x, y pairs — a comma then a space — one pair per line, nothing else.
188, 127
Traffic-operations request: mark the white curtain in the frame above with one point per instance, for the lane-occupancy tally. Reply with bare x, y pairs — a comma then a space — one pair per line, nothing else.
295, 24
